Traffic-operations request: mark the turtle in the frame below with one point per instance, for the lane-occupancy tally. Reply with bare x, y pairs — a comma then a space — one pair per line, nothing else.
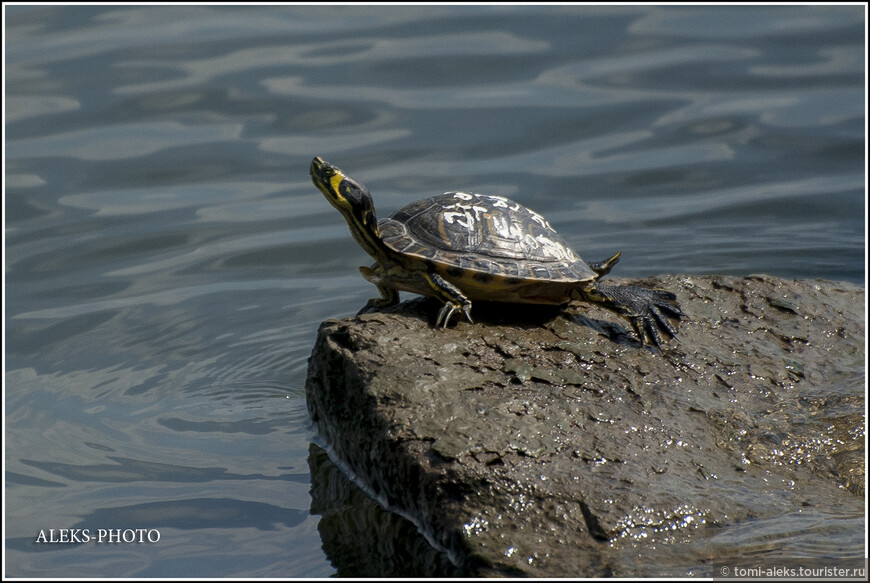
461, 246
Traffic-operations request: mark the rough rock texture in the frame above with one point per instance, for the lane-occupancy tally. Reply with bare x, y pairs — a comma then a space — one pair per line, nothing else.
549, 443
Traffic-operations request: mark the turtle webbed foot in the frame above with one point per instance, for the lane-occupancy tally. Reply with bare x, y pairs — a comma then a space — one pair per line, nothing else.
649, 311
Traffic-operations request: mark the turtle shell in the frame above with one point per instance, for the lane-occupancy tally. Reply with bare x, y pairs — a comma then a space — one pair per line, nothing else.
483, 234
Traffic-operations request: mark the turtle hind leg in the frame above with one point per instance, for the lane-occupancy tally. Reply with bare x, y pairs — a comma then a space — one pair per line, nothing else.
454, 300
649, 311
389, 295
602, 268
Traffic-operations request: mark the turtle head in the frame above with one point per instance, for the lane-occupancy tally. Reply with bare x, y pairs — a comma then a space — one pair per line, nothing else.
351, 198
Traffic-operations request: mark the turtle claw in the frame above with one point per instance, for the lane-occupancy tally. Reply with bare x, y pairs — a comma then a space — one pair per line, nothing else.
447, 311
648, 328
662, 319
444, 315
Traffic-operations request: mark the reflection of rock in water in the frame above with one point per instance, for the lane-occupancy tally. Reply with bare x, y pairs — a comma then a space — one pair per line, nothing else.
551, 444
362, 539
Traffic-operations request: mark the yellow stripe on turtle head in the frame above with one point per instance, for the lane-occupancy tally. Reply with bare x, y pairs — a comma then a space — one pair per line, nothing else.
327, 178
335, 183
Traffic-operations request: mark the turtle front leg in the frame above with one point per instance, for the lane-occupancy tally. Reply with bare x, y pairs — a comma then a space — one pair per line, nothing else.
389, 295
452, 297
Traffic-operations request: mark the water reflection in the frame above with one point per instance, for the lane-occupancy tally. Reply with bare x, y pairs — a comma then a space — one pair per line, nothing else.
360, 538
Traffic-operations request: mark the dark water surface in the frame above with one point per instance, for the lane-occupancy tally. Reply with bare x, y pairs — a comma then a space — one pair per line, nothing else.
168, 260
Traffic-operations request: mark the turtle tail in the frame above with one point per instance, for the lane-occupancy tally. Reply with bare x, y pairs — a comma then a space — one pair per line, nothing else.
602, 268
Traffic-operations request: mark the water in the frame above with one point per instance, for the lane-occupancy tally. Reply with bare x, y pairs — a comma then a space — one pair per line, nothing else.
168, 261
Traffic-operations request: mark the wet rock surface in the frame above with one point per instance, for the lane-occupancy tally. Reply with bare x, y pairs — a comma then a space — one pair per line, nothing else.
548, 443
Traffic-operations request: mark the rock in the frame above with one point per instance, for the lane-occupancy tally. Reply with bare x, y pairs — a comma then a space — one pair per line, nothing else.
548, 443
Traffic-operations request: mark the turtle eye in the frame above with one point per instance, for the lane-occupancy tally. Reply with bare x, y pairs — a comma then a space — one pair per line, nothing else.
320, 167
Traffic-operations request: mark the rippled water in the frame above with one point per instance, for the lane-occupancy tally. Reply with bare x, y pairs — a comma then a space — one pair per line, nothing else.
168, 260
